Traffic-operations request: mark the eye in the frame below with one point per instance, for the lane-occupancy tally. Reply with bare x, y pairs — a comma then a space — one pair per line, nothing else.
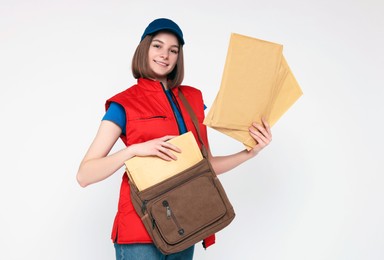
175, 51
156, 45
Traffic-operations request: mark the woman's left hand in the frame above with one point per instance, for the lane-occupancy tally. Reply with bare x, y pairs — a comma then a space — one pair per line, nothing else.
262, 135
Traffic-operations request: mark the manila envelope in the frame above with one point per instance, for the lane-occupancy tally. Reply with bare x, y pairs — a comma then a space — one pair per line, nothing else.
148, 171
256, 82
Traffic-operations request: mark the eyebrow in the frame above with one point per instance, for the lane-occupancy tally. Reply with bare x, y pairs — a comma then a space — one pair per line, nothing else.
156, 40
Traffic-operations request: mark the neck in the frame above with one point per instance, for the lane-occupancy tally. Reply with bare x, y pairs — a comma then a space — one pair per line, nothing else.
165, 84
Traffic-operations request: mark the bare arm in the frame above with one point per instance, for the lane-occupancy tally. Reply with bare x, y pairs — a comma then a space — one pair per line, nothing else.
97, 165
263, 136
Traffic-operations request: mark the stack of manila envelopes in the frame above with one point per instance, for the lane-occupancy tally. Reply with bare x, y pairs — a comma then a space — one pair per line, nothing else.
148, 171
257, 82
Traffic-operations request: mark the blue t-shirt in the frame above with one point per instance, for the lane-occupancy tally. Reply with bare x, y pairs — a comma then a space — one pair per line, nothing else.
116, 114
176, 110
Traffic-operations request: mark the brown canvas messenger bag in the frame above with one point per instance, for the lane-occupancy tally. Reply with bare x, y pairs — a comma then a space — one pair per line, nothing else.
185, 208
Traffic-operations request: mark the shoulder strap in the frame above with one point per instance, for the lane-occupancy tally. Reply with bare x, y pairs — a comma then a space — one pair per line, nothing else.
195, 122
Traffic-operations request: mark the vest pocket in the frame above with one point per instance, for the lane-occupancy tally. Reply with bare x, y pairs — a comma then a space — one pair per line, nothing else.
148, 118
144, 127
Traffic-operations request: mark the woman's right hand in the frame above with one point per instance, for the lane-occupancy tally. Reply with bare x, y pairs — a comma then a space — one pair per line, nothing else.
156, 147
98, 164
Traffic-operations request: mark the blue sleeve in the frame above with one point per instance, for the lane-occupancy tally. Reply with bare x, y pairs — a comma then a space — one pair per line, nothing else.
116, 114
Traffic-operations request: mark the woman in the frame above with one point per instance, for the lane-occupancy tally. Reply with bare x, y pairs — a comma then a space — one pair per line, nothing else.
145, 116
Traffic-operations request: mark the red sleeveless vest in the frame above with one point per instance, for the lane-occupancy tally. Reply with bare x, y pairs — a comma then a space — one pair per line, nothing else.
149, 115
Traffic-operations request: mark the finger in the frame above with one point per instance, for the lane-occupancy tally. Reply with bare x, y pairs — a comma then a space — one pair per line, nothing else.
171, 147
167, 153
260, 129
259, 137
259, 143
267, 126
168, 145
163, 156
167, 137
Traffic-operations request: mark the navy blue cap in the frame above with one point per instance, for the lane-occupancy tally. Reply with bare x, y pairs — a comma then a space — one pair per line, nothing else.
164, 24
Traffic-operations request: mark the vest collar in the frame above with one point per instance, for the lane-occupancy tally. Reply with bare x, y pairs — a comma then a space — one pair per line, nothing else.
153, 85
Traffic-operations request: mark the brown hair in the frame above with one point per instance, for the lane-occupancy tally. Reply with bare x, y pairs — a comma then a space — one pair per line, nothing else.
140, 68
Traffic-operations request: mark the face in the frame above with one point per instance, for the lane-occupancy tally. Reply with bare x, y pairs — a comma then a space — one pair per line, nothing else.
162, 55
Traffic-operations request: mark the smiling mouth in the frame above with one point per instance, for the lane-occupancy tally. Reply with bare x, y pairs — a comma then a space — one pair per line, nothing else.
161, 63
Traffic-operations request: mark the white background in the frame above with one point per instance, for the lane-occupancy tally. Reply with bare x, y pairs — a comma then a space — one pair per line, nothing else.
314, 193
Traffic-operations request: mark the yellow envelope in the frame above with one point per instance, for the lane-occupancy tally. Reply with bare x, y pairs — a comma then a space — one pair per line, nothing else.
257, 82
148, 171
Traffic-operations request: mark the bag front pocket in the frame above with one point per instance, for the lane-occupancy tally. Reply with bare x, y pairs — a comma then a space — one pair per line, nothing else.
184, 210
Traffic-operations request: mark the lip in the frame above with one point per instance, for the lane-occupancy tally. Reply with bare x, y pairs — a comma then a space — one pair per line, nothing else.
161, 63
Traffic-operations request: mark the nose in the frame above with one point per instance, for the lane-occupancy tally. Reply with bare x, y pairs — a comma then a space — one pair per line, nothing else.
164, 54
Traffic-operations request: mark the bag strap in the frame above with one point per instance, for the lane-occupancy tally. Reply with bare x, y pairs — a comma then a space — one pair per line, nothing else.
194, 120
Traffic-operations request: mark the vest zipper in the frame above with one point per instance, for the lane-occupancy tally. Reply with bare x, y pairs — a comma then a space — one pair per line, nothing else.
177, 105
